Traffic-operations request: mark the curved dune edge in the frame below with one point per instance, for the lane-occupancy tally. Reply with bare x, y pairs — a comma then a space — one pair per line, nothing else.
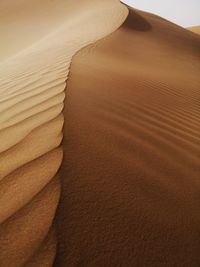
32, 84
130, 173
195, 29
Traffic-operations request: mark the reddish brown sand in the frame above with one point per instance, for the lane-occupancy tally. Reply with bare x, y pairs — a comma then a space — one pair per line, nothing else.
130, 175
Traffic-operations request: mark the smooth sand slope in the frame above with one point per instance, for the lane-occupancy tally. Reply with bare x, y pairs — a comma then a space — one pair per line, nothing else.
38, 40
130, 175
195, 29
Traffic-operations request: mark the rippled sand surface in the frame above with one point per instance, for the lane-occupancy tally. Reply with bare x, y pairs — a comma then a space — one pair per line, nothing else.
130, 174
99, 166
39, 39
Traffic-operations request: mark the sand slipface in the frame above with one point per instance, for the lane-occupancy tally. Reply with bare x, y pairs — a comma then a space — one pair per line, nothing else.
130, 173
39, 40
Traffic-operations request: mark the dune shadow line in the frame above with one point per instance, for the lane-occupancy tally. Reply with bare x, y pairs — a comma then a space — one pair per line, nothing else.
136, 22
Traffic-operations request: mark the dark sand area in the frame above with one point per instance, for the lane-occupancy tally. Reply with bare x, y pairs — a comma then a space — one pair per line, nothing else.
130, 175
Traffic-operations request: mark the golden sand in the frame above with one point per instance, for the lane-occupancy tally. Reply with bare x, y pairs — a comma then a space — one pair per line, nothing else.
128, 187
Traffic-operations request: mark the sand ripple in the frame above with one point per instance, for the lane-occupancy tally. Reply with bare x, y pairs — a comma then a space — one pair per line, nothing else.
32, 86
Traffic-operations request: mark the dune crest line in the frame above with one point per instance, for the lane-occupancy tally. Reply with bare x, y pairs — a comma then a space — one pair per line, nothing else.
130, 174
32, 84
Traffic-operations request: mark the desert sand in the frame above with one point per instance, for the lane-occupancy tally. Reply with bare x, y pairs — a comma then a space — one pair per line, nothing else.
39, 39
195, 29
118, 185
130, 174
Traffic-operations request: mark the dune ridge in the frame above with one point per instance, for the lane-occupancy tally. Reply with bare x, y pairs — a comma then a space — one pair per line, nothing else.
131, 167
32, 82
195, 29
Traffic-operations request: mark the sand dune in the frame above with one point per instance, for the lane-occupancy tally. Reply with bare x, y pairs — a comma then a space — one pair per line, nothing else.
23, 233
195, 29
130, 173
39, 39
131, 168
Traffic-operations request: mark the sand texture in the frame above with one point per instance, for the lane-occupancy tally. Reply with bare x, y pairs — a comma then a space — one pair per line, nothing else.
130, 174
99, 166
39, 39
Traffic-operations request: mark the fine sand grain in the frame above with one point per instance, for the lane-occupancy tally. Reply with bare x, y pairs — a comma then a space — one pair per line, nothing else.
130, 174
128, 188
38, 40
